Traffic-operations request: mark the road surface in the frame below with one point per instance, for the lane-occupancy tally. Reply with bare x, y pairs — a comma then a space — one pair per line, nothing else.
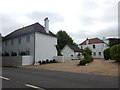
44, 79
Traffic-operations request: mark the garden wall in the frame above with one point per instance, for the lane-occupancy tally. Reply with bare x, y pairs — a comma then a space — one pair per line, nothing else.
16, 60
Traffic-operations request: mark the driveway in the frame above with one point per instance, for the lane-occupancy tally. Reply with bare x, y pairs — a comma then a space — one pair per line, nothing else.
98, 66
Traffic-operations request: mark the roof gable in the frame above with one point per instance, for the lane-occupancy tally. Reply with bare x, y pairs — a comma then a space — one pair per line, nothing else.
36, 27
74, 48
92, 41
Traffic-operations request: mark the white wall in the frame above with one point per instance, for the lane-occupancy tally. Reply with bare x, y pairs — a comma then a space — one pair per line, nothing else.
67, 52
98, 48
59, 59
27, 60
16, 60
20, 47
45, 47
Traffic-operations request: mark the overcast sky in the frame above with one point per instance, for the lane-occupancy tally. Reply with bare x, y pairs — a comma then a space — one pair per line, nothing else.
81, 19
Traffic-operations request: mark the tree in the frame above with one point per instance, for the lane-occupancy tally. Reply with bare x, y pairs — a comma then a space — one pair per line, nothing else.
114, 41
87, 52
115, 52
107, 55
63, 38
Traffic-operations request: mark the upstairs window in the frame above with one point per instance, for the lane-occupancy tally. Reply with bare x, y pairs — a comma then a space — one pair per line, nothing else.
28, 38
93, 46
5, 43
19, 40
12, 41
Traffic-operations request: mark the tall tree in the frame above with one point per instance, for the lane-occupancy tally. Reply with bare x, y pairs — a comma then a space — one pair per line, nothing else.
63, 38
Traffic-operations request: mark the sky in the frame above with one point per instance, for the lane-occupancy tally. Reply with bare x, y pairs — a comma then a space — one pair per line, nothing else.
81, 19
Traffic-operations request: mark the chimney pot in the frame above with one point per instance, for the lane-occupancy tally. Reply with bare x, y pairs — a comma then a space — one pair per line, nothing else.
46, 22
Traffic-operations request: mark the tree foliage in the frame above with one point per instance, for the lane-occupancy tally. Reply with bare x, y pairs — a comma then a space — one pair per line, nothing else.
114, 41
107, 55
87, 52
115, 52
63, 38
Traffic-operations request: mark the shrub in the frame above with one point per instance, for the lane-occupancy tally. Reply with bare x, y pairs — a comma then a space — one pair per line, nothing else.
107, 55
6, 54
47, 61
43, 62
88, 59
39, 62
54, 61
51, 61
115, 52
83, 62
23, 53
13, 54
87, 52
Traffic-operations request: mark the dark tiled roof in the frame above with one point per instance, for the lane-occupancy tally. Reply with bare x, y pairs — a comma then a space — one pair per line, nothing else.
75, 48
36, 27
92, 41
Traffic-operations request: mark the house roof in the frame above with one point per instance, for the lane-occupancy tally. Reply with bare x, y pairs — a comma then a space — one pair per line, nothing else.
75, 48
92, 41
36, 27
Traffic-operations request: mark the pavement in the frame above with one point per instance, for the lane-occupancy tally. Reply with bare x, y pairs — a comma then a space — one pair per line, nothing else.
46, 79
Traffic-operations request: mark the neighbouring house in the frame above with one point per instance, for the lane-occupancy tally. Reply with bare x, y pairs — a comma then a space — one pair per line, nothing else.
71, 52
35, 40
96, 45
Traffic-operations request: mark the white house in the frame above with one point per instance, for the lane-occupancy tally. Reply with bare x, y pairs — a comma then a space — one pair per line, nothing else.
71, 52
36, 40
96, 45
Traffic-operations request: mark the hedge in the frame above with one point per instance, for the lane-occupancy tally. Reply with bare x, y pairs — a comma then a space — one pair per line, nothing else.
115, 52
107, 55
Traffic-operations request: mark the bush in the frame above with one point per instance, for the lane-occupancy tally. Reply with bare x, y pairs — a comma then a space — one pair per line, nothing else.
51, 61
87, 52
47, 61
89, 59
6, 54
107, 54
83, 62
54, 61
39, 62
23, 53
43, 62
115, 52
13, 54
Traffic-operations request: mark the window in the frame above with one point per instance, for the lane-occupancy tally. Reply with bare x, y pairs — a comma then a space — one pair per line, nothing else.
28, 52
94, 46
100, 53
12, 41
5, 43
19, 40
28, 38
94, 53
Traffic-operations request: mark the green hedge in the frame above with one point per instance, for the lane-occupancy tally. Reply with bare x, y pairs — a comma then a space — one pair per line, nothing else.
107, 55
115, 52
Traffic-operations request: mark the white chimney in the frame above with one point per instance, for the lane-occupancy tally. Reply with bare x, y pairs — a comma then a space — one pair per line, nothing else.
46, 24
